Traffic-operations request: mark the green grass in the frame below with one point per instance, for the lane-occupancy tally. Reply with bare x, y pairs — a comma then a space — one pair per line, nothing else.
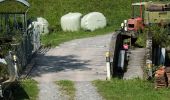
55, 39
67, 88
118, 89
115, 12
25, 90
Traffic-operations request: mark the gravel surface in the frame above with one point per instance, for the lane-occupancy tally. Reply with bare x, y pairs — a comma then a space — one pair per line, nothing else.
80, 60
85, 90
51, 88
135, 64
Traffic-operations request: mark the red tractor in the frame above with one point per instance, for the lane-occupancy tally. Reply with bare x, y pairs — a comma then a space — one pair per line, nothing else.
136, 22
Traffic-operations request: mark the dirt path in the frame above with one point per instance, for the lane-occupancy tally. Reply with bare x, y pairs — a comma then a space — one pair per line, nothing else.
80, 60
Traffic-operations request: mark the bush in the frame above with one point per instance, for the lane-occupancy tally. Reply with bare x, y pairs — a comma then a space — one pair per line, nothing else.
160, 35
141, 40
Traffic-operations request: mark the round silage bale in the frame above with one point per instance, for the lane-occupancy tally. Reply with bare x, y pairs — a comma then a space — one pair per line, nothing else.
71, 22
40, 24
93, 21
43, 23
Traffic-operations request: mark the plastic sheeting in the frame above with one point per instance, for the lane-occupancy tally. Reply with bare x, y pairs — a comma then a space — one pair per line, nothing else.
35, 31
71, 22
42, 25
93, 21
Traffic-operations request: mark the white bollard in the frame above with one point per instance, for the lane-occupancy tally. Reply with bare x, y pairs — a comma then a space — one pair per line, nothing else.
108, 66
125, 25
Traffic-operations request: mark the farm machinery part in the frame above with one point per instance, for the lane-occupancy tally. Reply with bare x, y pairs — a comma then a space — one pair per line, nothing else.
151, 13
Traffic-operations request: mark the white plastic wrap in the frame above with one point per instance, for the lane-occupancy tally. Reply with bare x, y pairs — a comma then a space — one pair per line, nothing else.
43, 23
93, 21
35, 31
40, 25
71, 22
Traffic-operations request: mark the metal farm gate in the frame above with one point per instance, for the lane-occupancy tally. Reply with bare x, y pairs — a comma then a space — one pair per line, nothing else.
17, 41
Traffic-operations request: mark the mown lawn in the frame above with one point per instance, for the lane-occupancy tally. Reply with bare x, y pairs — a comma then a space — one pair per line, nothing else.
118, 89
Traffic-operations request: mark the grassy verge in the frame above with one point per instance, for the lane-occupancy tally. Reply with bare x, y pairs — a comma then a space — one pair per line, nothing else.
26, 90
67, 87
55, 39
136, 89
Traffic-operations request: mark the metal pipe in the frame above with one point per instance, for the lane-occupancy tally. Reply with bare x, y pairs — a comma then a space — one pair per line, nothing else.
132, 9
140, 8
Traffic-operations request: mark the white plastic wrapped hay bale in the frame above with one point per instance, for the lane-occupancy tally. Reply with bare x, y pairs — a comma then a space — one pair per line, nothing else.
71, 22
93, 21
35, 31
43, 23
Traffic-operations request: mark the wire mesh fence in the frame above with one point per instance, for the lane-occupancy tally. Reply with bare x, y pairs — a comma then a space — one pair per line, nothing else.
29, 45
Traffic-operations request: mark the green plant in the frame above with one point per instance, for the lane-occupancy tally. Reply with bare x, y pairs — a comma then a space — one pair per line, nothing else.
141, 40
160, 35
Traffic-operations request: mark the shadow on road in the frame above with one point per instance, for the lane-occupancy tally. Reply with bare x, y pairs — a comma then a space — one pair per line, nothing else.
52, 64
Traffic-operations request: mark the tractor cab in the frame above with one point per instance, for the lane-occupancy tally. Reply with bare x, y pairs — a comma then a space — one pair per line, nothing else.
136, 22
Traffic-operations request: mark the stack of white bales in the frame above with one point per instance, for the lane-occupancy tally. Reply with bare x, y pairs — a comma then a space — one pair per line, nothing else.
71, 22
91, 21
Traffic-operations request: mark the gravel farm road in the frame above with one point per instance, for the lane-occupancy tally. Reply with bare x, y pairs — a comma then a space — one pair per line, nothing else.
80, 60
